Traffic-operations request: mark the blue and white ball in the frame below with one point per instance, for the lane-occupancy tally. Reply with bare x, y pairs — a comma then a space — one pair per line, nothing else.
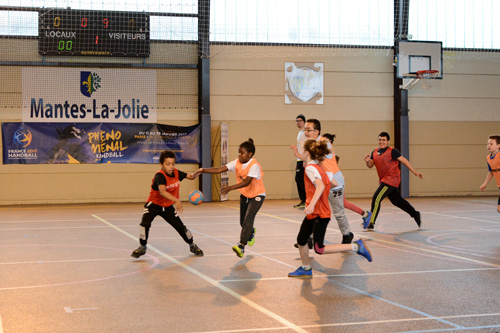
195, 197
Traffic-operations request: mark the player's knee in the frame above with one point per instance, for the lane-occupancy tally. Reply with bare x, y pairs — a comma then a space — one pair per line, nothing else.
317, 249
189, 235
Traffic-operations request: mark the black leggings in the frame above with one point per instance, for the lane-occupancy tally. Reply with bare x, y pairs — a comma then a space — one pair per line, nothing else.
299, 179
249, 207
168, 213
394, 196
316, 227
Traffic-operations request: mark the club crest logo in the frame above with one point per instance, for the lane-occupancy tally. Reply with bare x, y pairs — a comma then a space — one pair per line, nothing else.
89, 82
23, 137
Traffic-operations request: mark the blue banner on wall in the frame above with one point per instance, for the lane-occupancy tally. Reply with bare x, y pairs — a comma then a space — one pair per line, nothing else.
64, 143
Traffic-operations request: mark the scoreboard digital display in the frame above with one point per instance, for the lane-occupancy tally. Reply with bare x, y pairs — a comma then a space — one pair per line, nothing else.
67, 32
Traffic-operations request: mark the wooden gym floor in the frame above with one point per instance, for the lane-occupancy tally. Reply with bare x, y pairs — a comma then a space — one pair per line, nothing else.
68, 269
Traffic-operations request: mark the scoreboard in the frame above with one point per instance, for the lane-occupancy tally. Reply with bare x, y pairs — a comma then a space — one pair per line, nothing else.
68, 32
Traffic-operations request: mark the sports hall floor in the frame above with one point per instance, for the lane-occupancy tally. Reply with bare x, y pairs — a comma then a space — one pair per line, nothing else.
68, 269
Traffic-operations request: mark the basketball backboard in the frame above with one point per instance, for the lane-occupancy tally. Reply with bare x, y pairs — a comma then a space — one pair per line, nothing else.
414, 56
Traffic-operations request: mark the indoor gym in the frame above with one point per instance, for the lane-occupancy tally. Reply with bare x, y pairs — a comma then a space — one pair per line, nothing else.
67, 229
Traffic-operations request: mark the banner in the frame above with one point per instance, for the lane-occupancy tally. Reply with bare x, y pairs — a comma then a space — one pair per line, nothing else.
224, 158
86, 95
39, 143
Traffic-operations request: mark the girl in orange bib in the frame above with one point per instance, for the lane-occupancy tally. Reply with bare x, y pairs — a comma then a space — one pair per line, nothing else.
249, 182
318, 212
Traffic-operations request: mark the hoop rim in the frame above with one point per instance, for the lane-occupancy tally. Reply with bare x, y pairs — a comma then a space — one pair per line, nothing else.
429, 73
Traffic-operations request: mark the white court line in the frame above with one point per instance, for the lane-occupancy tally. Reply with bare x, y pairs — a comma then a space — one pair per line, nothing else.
359, 291
463, 218
467, 203
368, 323
371, 274
211, 281
1, 325
58, 261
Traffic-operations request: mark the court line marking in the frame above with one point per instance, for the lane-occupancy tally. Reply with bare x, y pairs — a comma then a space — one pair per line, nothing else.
58, 261
410, 246
378, 322
463, 218
1, 325
396, 244
211, 281
370, 274
359, 291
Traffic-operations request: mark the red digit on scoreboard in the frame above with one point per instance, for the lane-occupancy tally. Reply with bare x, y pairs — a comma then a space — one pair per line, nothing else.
105, 22
84, 22
96, 39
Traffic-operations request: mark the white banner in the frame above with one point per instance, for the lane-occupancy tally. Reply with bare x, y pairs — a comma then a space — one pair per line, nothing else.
224, 157
89, 95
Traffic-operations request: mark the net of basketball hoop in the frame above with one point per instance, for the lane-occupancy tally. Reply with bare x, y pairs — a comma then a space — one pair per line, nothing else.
426, 76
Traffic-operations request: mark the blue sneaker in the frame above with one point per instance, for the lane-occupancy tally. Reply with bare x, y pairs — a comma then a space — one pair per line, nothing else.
366, 220
251, 242
363, 250
301, 273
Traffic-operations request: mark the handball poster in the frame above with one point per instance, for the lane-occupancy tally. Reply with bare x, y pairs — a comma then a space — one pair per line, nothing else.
66, 143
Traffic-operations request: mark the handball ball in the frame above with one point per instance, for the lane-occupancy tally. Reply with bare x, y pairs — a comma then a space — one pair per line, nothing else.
195, 197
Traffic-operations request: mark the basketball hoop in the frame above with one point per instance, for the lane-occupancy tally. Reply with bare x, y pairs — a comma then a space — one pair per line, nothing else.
427, 76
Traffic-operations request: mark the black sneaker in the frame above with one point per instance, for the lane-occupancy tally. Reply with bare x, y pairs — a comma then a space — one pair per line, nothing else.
347, 239
196, 250
371, 226
301, 204
309, 243
417, 219
141, 250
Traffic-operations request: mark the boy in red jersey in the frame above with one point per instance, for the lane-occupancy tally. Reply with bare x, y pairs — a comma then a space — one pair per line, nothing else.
493, 160
386, 160
164, 200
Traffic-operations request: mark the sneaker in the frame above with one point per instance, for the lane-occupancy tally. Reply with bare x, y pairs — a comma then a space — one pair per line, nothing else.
363, 250
309, 243
239, 250
417, 219
251, 242
301, 273
302, 204
370, 226
196, 250
347, 239
366, 220
141, 250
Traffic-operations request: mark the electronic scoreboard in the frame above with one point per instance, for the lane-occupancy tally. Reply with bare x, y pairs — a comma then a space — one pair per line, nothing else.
68, 32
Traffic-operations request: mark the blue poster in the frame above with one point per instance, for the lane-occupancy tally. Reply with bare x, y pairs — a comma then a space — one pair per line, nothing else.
65, 143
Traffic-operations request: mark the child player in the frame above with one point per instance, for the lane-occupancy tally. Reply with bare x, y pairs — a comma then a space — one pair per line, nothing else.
493, 160
164, 200
318, 211
249, 182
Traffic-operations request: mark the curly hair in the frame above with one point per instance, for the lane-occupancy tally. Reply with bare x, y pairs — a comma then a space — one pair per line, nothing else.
317, 149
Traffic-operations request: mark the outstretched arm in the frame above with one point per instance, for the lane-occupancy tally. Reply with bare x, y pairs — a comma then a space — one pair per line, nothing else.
403, 160
211, 170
